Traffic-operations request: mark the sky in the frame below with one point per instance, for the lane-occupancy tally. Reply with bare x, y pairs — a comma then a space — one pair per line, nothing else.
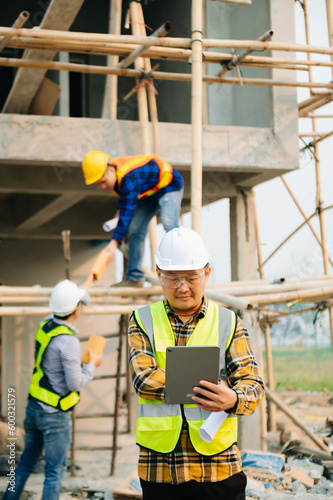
277, 214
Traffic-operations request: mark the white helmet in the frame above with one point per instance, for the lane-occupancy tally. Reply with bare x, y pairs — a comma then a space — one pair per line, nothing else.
65, 297
181, 249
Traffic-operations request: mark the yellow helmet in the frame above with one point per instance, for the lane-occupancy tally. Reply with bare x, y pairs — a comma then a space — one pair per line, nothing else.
94, 166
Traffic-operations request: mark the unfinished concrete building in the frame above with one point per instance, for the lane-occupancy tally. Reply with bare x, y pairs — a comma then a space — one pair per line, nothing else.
50, 119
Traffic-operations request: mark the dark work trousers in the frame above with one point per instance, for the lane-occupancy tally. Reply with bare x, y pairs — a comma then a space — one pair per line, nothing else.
232, 488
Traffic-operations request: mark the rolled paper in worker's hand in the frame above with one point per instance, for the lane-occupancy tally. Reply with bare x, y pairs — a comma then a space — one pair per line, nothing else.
95, 344
110, 224
211, 425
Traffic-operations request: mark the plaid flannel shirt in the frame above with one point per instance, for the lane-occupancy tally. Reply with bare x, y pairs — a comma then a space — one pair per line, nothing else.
138, 181
184, 463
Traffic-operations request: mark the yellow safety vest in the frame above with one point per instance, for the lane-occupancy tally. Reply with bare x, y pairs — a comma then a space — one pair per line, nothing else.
40, 386
126, 164
159, 425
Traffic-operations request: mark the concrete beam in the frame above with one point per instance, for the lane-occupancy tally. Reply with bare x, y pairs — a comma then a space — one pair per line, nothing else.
57, 180
54, 179
224, 148
53, 209
250, 180
59, 16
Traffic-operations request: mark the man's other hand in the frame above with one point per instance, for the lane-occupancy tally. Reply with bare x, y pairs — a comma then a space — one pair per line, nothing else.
220, 397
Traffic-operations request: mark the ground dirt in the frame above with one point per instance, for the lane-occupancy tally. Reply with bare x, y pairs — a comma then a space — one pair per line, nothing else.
94, 466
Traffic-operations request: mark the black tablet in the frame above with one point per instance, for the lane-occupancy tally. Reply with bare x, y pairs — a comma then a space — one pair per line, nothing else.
185, 367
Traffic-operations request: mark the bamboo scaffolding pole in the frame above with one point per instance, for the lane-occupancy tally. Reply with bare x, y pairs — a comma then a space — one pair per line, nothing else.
139, 63
273, 397
122, 335
311, 100
67, 251
227, 300
112, 80
86, 311
205, 110
163, 30
18, 23
196, 113
104, 297
237, 59
238, 2
141, 89
329, 17
152, 106
265, 409
271, 413
316, 103
57, 35
159, 75
268, 289
166, 42
93, 300
303, 214
318, 116
233, 288
311, 134
93, 292
310, 295
319, 202
294, 232
65, 234
262, 283
165, 53
316, 141
275, 66
269, 315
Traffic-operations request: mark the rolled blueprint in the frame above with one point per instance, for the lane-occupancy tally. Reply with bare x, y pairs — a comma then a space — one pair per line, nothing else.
110, 224
211, 425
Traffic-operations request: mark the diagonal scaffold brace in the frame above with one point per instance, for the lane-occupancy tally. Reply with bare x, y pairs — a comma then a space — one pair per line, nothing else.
235, 61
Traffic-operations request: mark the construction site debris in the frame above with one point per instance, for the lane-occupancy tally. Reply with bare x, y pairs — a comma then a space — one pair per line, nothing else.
129, 488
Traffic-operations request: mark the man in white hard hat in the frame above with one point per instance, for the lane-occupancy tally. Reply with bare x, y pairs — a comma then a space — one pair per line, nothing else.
145, 185
57, 377
174, 461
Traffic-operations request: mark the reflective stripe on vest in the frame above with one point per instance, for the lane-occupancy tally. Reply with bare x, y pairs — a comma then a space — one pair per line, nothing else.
159, 424
40, 386
126, 164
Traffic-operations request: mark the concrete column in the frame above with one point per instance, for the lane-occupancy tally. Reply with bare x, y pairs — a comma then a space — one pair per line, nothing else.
64, 84
242, 237
244, 268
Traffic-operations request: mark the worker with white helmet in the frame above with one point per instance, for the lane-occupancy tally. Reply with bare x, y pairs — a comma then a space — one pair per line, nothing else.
175, 463
145, 185
54, 391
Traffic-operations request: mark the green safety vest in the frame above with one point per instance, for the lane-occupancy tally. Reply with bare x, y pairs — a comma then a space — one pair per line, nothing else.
40, 386
159, 425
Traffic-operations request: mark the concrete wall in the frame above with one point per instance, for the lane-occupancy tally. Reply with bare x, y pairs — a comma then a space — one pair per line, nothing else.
233, 104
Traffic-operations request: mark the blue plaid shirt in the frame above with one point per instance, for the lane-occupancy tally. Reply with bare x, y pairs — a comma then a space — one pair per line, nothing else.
138, 181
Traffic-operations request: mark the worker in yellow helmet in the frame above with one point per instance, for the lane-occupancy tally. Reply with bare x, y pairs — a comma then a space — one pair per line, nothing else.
175, 462
145, 185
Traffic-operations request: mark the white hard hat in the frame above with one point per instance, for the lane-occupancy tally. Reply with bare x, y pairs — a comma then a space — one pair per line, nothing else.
181, 249
65, 297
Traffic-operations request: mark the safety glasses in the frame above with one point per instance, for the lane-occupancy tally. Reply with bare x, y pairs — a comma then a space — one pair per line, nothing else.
191, 280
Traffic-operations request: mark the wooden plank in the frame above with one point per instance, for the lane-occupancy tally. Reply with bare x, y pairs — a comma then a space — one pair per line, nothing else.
60, 15
308, 481
46, 98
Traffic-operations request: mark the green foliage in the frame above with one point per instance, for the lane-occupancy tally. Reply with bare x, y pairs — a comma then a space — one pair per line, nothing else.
305, 369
